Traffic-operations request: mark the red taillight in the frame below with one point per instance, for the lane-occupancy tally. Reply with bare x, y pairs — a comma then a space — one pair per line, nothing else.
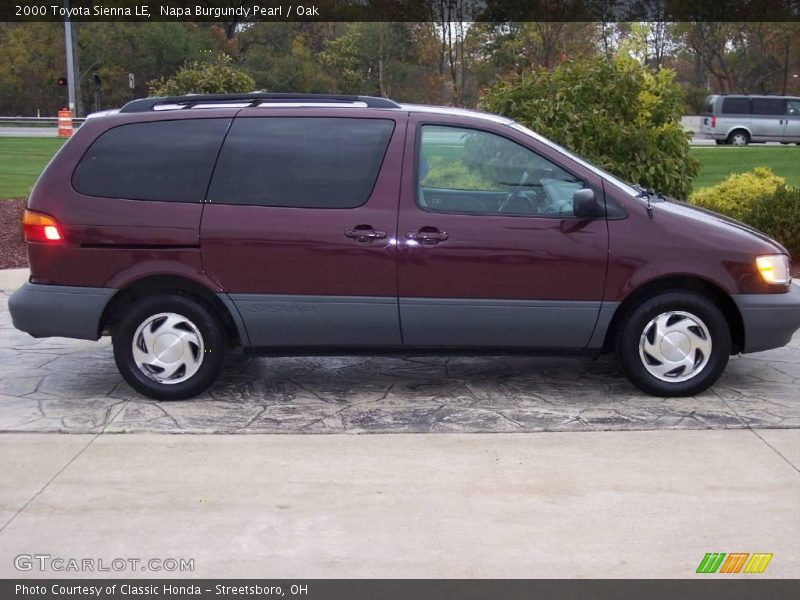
40, 228
713, 121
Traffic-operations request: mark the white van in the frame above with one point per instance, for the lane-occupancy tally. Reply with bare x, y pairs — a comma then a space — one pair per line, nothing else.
740, 120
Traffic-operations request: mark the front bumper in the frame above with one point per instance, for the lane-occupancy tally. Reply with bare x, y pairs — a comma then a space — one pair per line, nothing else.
770, 320
59, 310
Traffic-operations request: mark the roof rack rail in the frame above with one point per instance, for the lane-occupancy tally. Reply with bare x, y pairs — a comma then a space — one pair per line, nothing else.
255, 98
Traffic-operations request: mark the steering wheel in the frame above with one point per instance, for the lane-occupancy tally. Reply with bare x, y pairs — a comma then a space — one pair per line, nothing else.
515, 192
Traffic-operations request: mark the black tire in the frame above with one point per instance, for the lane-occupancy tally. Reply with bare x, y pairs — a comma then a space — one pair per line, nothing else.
737, 134
633, 327
211, 335
721, 142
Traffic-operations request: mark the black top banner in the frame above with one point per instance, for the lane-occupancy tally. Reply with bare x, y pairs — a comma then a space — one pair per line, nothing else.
401, 10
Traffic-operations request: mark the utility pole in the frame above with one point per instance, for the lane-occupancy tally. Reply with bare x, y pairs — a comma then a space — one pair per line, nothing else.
71, 74
70, 64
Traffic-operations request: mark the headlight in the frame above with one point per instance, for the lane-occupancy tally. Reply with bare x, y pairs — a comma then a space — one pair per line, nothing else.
774, 268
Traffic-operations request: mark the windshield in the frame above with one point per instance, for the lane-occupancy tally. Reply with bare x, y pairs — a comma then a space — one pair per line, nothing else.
626, 187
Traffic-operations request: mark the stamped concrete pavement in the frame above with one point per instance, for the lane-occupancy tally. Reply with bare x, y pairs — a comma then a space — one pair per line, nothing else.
60, 385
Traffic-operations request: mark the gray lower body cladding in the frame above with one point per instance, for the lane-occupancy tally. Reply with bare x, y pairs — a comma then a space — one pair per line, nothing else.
282, 320
770, 320
59, 310
363, 321
498, 323
41, 310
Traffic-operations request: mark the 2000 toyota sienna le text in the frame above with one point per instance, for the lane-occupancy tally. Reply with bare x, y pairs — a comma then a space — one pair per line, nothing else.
294, 224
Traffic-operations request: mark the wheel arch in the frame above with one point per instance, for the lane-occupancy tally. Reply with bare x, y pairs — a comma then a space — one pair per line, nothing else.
736, 128
159, 284
681, 283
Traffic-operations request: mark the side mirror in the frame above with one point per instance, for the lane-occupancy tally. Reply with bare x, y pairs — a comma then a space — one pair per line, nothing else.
585, 204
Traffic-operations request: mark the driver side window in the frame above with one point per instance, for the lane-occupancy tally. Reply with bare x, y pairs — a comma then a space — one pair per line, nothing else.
470, 171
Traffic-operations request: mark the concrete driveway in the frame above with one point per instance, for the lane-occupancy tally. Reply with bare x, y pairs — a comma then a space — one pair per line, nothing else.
555, 505
60, 385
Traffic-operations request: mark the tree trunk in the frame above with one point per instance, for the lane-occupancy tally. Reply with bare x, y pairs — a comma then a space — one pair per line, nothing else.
785, 67
381, 79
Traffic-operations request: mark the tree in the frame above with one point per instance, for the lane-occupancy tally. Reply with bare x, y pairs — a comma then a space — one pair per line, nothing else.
148, 50
33, 59
217, 75
616, 113
284, 57
525, 46
745, 58
369, 58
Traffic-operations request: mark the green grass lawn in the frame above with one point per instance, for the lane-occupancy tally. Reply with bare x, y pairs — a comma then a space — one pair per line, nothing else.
21, 161
717, 163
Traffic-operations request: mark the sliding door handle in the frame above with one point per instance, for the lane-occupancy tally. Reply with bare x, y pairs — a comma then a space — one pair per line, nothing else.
427, 236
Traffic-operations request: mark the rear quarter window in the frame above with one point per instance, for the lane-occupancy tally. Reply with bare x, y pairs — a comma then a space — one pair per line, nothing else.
301, 162
160, 160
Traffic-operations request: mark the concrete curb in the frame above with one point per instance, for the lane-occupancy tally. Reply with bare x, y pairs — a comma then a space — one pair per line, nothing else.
11, 279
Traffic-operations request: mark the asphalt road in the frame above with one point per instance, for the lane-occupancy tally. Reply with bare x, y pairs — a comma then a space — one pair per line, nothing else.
51, 132
28, 131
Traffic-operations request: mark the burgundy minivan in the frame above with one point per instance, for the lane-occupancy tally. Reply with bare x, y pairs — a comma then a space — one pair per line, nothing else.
301, 224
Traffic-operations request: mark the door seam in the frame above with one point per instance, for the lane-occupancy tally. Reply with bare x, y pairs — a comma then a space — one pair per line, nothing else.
397, 240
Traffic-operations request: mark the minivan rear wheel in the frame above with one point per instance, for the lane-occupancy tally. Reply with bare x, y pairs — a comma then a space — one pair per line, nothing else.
169, 347
739, 138
674, 344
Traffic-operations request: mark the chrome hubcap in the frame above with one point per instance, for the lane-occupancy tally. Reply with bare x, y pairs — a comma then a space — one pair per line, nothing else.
168, 348
739, 140
675, 346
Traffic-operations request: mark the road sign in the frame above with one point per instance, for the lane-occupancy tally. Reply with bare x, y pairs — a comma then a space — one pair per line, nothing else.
131, 81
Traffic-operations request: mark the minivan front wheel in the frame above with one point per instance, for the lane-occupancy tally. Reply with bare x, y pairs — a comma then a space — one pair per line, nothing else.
674, 344
169, 347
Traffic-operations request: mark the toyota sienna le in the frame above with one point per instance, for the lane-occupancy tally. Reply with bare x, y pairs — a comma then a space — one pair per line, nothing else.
294, 224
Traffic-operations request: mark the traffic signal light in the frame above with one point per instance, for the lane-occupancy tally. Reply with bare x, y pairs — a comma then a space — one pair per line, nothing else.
62, 81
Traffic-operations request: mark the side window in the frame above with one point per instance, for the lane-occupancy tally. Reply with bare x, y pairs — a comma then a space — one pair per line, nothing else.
470, 171
159, 160
769, 106
736, 106
300, 162
793, 108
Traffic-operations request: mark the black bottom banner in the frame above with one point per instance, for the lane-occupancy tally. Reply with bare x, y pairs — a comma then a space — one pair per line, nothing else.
405, 589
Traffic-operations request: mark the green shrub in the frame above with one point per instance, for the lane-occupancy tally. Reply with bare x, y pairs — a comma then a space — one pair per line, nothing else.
737, 195
616, 113
210, 75
778, 216
760, 199
453, 174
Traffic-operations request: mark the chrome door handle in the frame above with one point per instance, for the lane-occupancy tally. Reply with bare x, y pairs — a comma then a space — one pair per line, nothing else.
363, 234
427, 236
